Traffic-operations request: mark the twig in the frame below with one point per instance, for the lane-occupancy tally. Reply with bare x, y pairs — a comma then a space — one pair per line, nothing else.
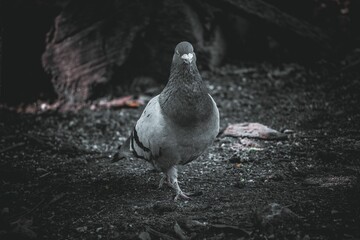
57, 198
62, 147
350, 66
12, 147
231, 228
301, 189
54, 199
318, 136
39, 140
45, 174
179, 232
30, 211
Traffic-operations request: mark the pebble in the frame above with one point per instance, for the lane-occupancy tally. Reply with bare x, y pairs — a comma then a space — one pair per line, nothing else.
289, 131
81, 229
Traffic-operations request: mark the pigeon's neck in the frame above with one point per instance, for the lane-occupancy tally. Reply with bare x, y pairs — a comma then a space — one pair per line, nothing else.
185, 98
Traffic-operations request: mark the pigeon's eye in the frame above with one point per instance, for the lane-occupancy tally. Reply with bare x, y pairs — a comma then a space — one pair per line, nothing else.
177, 52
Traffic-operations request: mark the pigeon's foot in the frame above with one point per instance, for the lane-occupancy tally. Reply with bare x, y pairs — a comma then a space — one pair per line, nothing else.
180, 193
172, 181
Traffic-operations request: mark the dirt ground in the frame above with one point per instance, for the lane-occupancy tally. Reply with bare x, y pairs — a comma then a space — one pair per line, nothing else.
57, 180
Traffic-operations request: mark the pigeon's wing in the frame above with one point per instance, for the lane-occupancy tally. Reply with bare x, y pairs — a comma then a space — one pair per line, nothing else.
149, 132
216, 118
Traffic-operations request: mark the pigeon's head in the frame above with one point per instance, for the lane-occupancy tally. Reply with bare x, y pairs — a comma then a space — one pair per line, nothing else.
184, 54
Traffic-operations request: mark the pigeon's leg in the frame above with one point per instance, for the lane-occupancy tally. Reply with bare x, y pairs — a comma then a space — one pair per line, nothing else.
162, 180
173, 182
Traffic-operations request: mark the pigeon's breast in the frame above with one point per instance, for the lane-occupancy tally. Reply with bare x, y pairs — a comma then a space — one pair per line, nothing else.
189, 110
193, 139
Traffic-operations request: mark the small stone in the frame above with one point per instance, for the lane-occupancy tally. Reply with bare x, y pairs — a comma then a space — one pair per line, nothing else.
240, 185
334, 211
144, 236
289, 131
276, 177
161, 207
5, 210
81, 229
306, 237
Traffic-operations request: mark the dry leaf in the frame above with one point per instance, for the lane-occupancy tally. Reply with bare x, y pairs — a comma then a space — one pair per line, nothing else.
127, 101
253, 130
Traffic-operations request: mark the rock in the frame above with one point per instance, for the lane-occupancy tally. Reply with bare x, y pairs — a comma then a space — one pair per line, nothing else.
194, 225
162, 207
179, 232
275, 215
144, 236
81, 229
276, 177
289, 131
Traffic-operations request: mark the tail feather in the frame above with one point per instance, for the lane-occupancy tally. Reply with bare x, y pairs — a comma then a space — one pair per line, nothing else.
124, 151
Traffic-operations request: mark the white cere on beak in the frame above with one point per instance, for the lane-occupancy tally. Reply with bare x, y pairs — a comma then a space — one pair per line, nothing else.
187, 57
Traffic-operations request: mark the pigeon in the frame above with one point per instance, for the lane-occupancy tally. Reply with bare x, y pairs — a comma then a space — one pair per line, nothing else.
177, 125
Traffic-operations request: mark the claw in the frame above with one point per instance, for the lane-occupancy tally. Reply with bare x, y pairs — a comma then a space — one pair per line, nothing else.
171, 177
181, 194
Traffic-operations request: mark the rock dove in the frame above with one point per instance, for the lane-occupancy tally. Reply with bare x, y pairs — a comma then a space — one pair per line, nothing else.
177, 125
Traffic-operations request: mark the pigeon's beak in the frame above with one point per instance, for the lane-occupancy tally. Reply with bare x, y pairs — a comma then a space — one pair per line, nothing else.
187, 58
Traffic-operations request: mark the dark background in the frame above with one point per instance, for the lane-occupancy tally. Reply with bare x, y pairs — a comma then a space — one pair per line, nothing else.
77, 74
131, 39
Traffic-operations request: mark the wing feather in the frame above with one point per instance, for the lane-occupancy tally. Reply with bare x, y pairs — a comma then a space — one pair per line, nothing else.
148, 132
